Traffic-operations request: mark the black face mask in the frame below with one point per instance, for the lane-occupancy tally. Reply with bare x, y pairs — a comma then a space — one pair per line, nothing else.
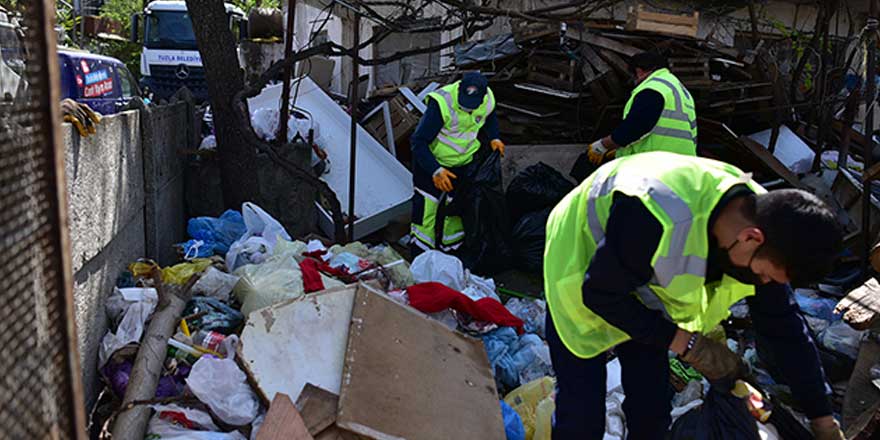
742, 274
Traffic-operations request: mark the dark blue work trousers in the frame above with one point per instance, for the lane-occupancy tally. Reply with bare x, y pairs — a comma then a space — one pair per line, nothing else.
580, 400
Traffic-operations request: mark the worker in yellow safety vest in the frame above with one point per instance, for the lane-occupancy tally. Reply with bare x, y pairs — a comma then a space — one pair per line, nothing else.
647, 255
443, 148
659, 116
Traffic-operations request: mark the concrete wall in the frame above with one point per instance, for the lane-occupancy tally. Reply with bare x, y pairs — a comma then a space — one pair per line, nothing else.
125, 195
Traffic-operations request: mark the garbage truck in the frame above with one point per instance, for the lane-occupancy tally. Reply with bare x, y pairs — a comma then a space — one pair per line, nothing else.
170, 58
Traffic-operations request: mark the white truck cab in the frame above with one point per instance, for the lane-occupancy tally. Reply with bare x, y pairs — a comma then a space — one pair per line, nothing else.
170, 58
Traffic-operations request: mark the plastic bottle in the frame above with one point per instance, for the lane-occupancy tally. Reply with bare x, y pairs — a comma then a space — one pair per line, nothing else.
208, 339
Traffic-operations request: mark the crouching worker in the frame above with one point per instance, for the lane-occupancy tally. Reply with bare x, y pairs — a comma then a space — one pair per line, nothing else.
647, 255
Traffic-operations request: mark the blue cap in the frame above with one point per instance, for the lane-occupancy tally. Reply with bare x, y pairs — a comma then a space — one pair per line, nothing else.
472, 90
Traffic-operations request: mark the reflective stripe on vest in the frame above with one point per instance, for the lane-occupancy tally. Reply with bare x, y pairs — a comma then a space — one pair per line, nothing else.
681, 193
676, 129
457, 141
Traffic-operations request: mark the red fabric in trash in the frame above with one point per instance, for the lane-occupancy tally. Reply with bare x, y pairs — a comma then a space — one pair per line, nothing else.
324, 266
311, 277
436, 297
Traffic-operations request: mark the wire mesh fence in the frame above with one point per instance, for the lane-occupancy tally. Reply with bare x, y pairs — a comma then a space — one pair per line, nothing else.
39, 377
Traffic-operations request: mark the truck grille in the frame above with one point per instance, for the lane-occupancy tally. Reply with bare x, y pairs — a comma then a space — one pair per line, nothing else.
164, 80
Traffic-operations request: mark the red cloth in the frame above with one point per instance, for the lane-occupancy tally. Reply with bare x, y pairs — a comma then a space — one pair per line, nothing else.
436, 297
311, 277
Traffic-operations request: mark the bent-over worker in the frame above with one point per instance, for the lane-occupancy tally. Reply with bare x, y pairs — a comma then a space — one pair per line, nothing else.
659, 116
443, 147
647, 255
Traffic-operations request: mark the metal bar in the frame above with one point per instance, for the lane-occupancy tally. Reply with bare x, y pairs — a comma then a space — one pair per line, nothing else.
389, 129
61, 264
413, 99
868, 128
353, 102
288, 70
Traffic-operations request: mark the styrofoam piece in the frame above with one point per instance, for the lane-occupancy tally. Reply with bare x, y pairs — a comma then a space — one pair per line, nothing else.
300, 341
790, 149
383, 185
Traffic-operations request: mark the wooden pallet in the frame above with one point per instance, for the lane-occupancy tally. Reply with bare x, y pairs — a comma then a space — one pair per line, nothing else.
553, 72
692, 71
638, 19
403, 122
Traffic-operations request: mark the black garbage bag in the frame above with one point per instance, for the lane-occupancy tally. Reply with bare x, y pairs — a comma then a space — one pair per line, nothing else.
527, 241
535, 188
582, 168
722, 416
483, 211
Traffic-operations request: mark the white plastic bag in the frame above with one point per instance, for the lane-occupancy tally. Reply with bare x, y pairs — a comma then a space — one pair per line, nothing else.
136, 305
441, 268
215, 283
258, 241
166, 425
221, 385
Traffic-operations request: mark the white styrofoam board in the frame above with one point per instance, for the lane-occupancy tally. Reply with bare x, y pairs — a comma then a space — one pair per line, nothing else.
301, 341
383, 186
793, 152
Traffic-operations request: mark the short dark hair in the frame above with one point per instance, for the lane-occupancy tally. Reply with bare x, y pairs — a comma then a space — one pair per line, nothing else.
801, 233
649, 60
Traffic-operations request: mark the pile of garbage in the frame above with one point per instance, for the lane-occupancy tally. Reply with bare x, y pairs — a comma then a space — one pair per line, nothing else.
245, 276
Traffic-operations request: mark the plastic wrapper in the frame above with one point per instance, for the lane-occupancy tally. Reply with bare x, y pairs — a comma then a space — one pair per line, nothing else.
118, 374
221, 385
537, 187
276, 280
219, 317
137, 305
532, 312
181, 273
258, 241
173, 422
435, 266
217, 233
513, 425
534, 403
842, 338
615, 419
215, 283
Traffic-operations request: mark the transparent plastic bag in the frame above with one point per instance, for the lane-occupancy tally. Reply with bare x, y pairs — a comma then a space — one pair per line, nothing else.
215, 283
258, 241
168, 420
532, 312
276, 280
221, 385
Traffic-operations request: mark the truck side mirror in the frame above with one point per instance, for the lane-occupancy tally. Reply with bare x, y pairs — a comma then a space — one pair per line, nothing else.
135, 23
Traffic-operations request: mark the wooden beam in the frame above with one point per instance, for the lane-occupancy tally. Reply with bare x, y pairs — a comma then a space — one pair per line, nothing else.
317, 407
283, 421
871, 173
861, 307
771, 161
605, 43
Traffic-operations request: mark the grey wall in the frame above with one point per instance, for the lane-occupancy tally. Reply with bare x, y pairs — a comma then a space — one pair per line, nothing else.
125, 195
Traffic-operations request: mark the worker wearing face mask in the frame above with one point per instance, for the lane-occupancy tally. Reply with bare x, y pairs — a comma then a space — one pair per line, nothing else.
443, 147
659, 116
647, 255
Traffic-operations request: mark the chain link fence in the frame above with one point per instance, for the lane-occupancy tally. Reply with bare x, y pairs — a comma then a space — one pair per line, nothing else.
40, 385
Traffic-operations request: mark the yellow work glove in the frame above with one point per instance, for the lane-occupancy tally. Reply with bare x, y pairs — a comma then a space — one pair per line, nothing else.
443, 179
596, 152
827, 431
714, 360
81, 116
497, 145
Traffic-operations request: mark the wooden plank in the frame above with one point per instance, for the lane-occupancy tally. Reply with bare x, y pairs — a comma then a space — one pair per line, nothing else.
597, 62
410, 377
871, 173
771, 161
663, 28
687, 20
283, 421
615, 61
318, 408
605, 43
861, 307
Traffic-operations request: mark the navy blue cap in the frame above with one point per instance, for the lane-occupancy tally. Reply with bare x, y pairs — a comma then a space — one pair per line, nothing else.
472, 90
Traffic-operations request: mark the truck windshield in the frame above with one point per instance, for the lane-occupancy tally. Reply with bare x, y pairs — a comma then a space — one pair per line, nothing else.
169, 30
